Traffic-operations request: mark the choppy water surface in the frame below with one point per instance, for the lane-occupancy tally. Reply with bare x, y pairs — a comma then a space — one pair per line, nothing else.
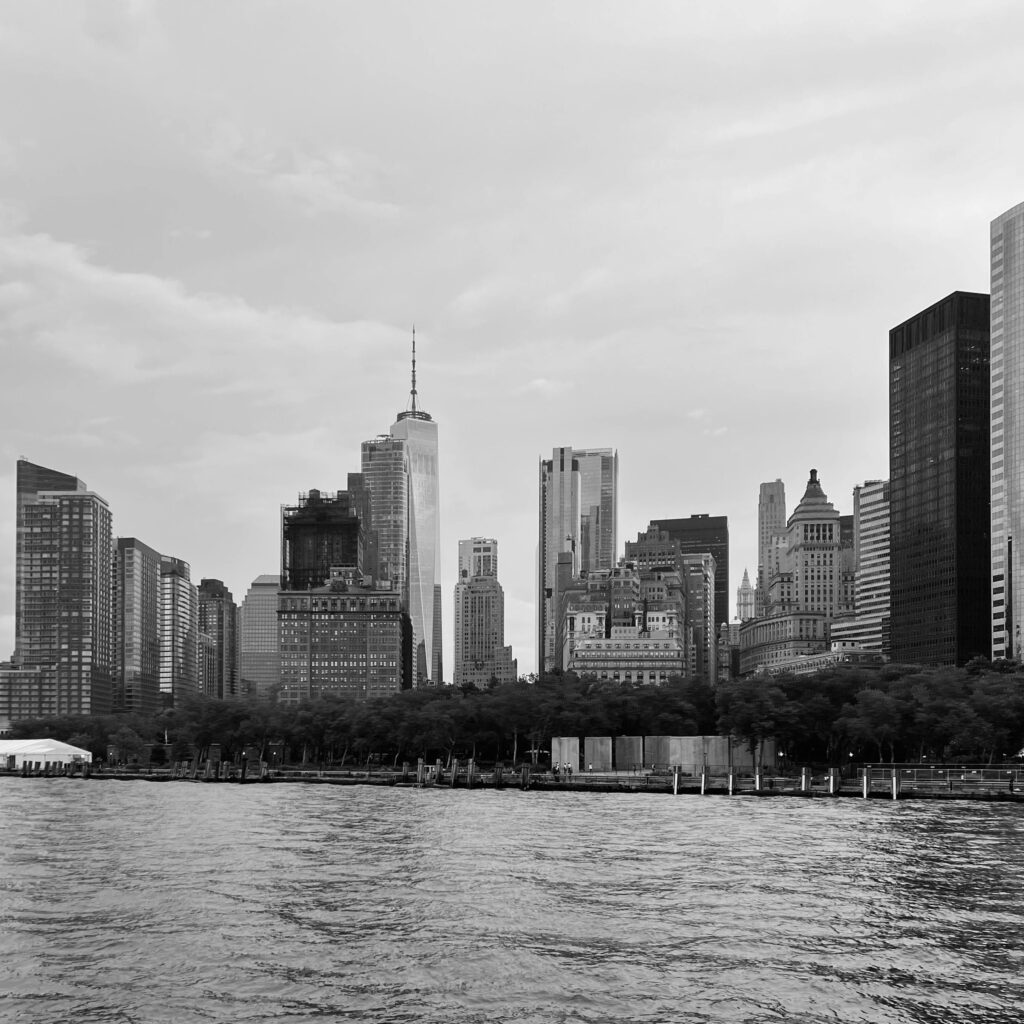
134, 901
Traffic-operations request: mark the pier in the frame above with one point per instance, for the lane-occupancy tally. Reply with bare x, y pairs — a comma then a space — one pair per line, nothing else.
1003, 782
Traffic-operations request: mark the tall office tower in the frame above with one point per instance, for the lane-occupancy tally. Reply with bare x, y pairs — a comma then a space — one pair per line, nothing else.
702, 533
481, 657
1006, 597
259, 657
559, 535
400, 472
700, 582
771, 521
868, 627
599, 499
478, 556
218, 617
385, 476
939, 482
136, 627
344, 639
419, 432
745, 599
63, 614
179, 632
321, 532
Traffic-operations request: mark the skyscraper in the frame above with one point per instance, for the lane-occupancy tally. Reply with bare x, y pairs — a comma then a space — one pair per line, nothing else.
179, 631
745, 599
478, 556
480, 652
578, 532
599, 493
259, 657
136, 627
385, 475
812, 586
704, 533
559, 515
63, 613
400, 472
1006, 597
771, 521
323, 531
939, 482
344, 639
218, 618
868, 627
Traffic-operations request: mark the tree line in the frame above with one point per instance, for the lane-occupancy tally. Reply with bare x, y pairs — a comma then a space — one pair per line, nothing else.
897, 713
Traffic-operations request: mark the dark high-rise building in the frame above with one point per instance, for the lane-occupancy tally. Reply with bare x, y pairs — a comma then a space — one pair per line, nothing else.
701, 534
64, 557
136, 627
218, 618
321, 532
939, 482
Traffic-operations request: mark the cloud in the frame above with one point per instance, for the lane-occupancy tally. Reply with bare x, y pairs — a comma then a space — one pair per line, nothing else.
335, 181
545, 387
130, 329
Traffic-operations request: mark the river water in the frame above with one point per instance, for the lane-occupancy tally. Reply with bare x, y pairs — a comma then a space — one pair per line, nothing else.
145, 902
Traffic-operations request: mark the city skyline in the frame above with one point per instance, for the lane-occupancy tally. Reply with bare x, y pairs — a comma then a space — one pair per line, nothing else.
211, 312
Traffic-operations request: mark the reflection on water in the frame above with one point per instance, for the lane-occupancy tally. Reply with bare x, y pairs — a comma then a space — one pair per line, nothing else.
147, 902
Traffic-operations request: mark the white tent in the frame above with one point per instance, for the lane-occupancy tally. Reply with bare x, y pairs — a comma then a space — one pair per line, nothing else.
14, 753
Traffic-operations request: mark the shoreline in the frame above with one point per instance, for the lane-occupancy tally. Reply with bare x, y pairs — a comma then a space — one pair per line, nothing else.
984, 790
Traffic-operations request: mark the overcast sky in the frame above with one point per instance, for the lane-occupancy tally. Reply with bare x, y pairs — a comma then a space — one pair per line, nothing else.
679, 229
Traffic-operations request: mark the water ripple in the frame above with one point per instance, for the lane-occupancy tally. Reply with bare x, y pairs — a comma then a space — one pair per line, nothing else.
152, 903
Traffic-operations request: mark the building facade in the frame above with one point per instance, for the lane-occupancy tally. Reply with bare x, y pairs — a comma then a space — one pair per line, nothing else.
322, 531
179, 632
599, 500
812, 587
218, 618
745, 599
259, 660
481, 657
346, 639
771, 522
478, 556
699, 534
559, 535
939, 482
385, 475
419, 432
136, 627
63, 606
868, 628
1006, 465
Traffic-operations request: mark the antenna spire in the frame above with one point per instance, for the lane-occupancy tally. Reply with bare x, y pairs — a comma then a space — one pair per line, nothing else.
413, 393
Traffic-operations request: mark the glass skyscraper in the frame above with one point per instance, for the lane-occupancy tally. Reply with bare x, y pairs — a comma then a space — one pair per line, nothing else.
939, 482
578, 532
400, 472
1007, 437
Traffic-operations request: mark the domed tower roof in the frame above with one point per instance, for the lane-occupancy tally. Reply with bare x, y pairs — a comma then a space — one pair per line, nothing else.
814, 504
